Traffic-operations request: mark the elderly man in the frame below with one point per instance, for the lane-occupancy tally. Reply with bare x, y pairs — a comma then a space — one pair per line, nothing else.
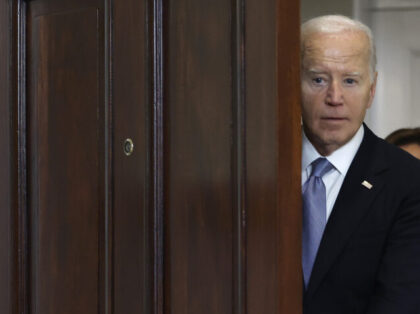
361, 195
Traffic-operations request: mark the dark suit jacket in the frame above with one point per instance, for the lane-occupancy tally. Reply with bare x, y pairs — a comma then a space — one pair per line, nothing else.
369, 257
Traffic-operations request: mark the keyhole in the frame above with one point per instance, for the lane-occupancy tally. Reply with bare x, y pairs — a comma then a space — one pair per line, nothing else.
128, 147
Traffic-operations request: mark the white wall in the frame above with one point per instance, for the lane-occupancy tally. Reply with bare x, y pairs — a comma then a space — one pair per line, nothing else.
395, 25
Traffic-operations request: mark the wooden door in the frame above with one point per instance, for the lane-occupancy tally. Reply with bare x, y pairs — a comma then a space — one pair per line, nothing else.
202, 215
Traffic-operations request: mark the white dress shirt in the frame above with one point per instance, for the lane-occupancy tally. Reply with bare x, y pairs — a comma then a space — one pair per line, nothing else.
340, 159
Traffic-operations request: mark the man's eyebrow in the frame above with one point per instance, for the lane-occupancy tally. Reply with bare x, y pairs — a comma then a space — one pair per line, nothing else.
315, 71
353, 74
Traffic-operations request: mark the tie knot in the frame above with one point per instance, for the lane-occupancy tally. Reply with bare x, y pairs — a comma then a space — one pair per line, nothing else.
320, 167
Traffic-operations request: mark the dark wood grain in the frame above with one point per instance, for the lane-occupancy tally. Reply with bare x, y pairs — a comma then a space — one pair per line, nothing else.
204, 216
239, 296
289, 180
132, 226
198, 155
232, 207
20, 111
66, 153
273, 157
7, 162
106, 247
156, 51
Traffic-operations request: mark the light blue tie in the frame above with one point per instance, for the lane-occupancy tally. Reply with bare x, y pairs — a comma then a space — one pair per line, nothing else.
314, 215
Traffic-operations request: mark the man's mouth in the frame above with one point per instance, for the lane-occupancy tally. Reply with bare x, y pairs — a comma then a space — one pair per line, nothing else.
333, 118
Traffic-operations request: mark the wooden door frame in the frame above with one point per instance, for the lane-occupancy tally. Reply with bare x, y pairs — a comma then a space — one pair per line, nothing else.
14, 216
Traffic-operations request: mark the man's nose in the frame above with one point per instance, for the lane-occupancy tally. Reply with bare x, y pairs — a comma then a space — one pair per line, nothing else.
334, 94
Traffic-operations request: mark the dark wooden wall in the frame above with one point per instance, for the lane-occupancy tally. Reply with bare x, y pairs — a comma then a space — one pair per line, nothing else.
204, 215
7, 158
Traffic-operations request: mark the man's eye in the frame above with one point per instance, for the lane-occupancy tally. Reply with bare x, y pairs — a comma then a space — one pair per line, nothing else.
350, 81
318, 80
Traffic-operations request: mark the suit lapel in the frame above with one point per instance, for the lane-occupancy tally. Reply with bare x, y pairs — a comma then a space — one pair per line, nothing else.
352, 204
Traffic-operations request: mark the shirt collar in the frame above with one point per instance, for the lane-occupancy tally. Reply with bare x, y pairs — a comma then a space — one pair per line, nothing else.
340, 158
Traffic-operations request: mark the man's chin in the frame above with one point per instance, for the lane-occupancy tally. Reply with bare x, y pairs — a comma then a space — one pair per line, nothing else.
328, 143
333, 126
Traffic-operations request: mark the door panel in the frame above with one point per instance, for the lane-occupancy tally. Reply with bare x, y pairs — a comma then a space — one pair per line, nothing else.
199, 187
66, 157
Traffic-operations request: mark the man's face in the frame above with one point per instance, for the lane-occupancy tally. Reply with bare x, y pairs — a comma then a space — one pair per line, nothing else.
336, 88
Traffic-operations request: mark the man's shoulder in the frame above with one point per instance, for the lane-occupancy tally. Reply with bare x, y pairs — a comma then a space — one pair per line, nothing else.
397, 163
403, 169
397, 157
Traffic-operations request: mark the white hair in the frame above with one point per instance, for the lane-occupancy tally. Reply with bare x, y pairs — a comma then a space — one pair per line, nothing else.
333, 24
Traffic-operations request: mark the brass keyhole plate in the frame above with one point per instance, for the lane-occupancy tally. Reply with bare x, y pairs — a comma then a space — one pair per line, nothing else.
128, 147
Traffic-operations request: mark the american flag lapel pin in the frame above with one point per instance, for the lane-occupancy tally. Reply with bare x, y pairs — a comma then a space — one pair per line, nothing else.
367, 184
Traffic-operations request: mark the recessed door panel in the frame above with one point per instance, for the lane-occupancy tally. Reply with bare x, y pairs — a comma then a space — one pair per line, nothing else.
66, 158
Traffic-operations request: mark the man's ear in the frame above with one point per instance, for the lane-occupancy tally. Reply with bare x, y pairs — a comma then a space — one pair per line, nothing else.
372, 90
